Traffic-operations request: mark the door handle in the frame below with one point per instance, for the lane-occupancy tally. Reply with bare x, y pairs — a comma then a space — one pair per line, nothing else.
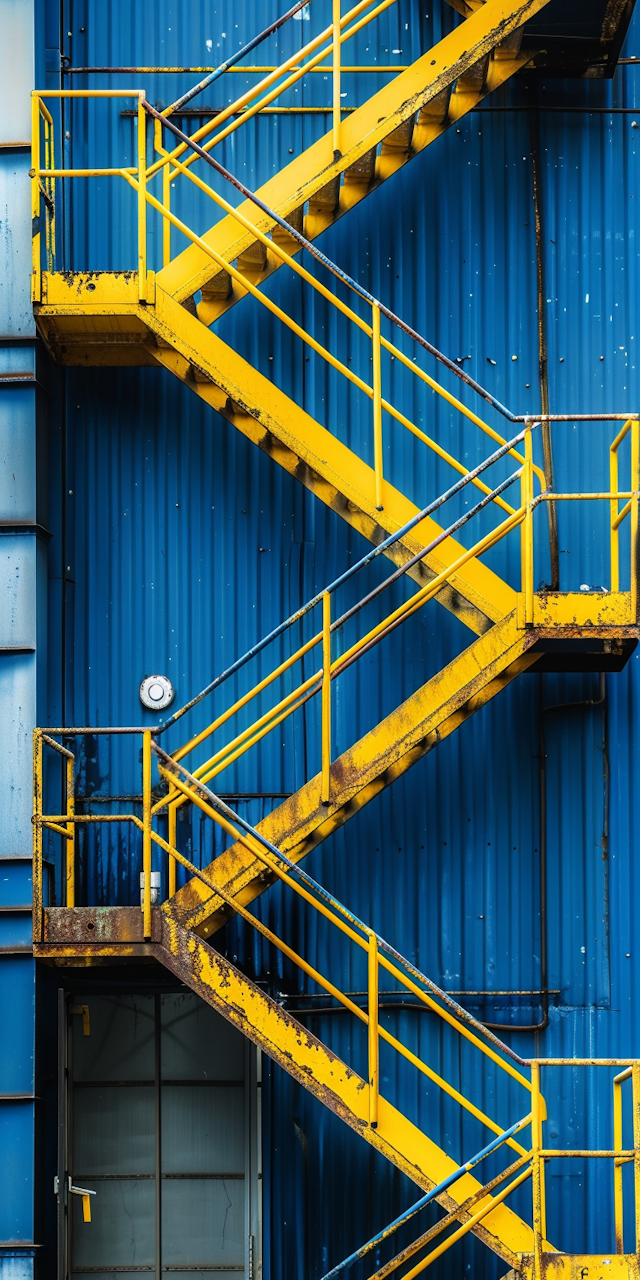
86, 1202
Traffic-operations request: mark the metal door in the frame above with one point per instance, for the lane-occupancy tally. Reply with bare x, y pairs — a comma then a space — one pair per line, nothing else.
162, 1125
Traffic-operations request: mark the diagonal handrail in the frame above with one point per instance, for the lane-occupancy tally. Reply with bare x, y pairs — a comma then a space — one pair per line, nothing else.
434, 1194
234, 59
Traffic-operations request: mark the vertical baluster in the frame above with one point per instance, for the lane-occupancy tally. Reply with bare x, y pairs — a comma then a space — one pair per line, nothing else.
527, 527
635, 486
172, 815
617, 1164
635, 1084
36, 293
536, 1170
373, 1038
37, 835
377, 403
326, 698
337, 56
146, 830
613, 511
71, 834
142, 201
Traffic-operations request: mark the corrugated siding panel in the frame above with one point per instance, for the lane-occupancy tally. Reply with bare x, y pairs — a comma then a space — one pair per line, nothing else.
185, 544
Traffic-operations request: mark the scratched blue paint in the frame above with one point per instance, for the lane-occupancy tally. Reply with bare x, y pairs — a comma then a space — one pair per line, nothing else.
177, 544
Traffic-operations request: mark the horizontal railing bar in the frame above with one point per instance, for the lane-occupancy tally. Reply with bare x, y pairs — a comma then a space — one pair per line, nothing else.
387, 68
587, 1062
426, 1199
605, 1155
75, 732
87, 173
88, 93
579, 497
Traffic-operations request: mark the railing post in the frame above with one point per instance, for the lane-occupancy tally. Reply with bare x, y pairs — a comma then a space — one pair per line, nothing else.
142, 201
337, 56
526, 528
146, 830
614, 533
71, 835
373, 1037
37, 836
635, 486
166, 195
635, 1082
536, 1171
172, 815
36, 284
377, 403
326, 699
617, 1164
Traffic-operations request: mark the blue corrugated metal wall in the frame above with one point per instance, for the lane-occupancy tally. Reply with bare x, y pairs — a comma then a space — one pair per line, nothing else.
23, 584
180, 544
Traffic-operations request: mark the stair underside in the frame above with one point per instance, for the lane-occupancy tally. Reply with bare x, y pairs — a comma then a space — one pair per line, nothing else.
271, 419
287, 1042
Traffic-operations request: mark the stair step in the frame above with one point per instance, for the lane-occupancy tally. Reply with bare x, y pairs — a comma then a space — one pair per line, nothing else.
363, 169
314, 176
253, 258
219, 287
400, 139
474, 80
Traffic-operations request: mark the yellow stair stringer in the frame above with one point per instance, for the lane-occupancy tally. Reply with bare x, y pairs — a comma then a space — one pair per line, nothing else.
331, 470
361, 773
432, 74
317, 1069
90, 308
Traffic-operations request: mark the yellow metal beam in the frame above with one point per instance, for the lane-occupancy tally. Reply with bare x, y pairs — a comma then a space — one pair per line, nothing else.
432, 74
326, 466
357, 776
317, 1069
83, 307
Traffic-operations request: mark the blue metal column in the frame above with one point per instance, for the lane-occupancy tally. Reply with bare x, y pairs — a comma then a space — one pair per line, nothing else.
22, 653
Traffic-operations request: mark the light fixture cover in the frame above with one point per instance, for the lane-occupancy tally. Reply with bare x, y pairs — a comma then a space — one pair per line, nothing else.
156, 693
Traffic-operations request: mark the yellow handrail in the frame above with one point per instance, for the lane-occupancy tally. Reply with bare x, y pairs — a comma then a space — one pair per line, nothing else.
135, 178
290, 64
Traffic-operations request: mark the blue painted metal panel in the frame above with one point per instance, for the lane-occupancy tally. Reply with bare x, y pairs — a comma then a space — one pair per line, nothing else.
17, 1002
16, 316
17, 1170
185, 545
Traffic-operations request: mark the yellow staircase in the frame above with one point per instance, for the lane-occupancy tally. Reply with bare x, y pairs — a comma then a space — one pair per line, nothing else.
142, 317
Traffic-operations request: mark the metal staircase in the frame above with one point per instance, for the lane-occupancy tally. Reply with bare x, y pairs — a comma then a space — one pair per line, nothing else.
155, 317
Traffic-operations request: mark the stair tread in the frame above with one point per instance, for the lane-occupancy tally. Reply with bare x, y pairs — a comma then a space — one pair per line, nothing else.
363, 130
